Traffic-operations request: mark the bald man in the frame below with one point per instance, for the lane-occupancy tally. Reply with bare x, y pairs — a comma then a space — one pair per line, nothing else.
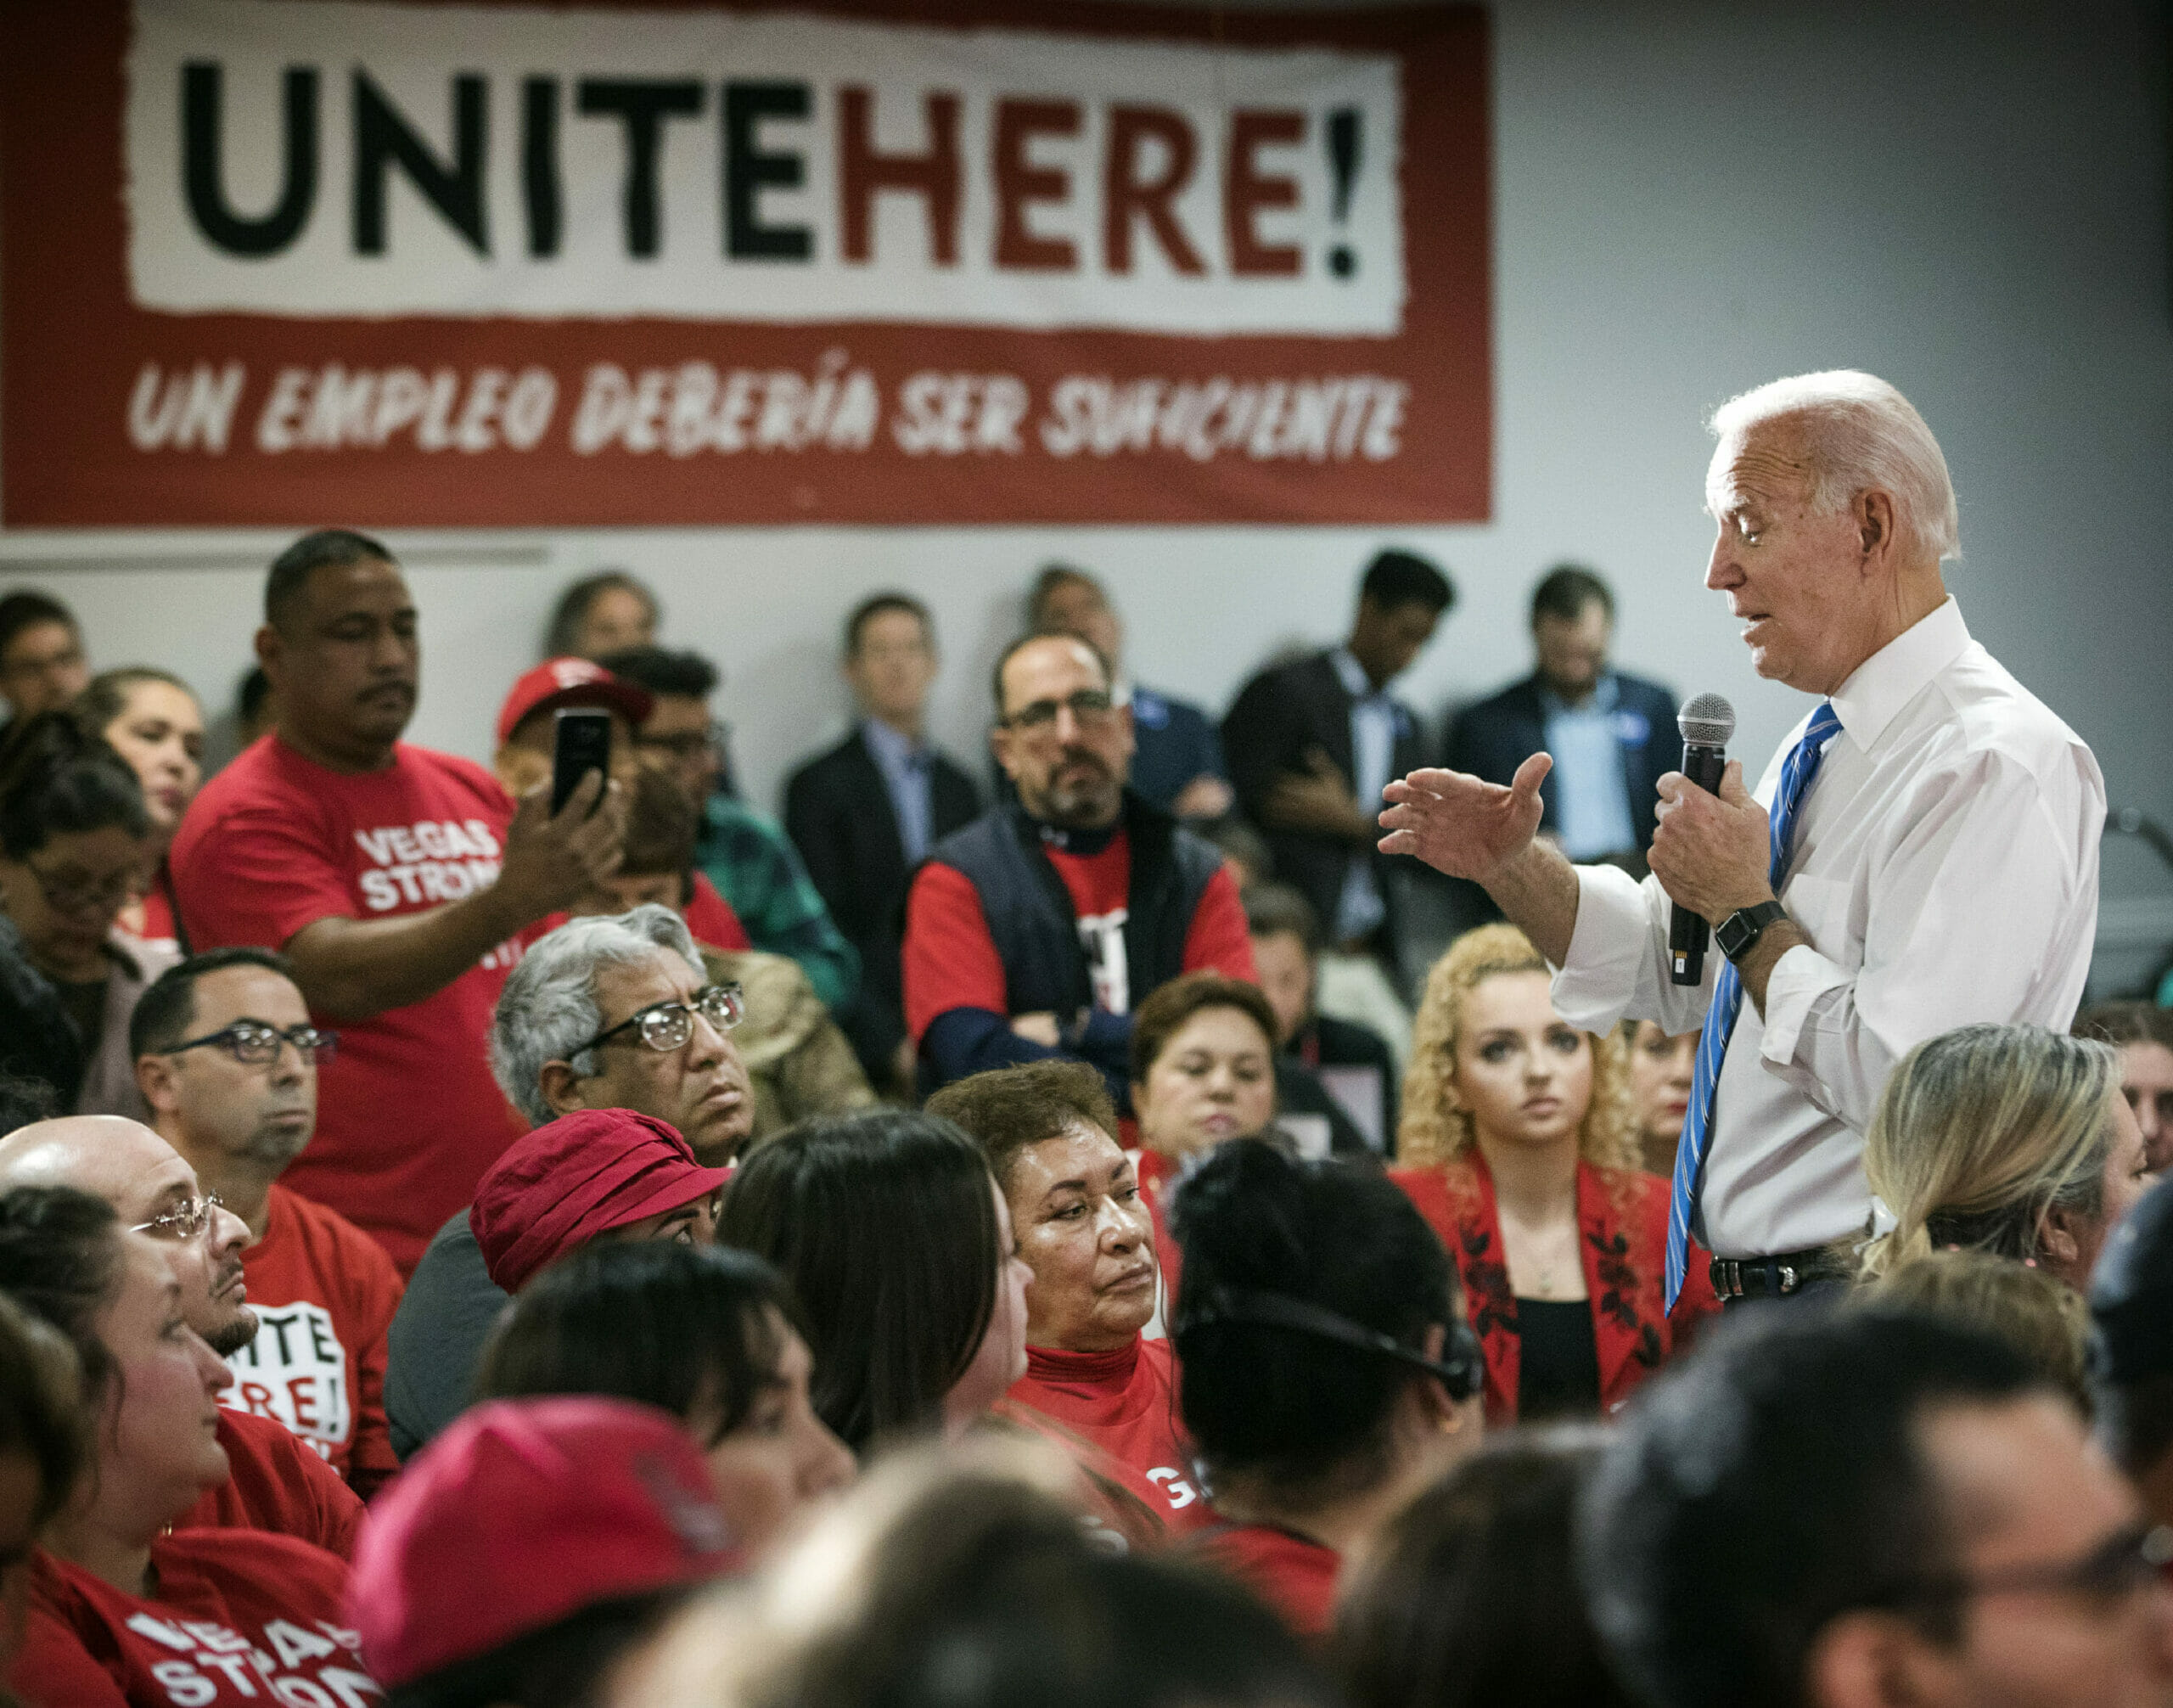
277, 1483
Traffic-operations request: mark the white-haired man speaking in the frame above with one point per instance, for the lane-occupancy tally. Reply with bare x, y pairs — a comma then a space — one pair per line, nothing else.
1921, 853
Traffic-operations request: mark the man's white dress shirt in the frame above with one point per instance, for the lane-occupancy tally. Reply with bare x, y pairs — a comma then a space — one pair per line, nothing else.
1945, 872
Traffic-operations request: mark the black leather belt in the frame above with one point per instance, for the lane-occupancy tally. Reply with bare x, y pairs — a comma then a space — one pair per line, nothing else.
1778, 1276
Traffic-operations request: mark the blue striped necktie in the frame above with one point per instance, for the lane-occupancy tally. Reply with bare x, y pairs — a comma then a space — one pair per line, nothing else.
1727, 1003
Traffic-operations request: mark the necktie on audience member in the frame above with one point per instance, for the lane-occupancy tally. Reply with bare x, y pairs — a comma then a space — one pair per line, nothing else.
1796, 777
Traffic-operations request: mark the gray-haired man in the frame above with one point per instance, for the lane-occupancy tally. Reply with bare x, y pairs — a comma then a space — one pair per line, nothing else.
1922, 853
610, 1012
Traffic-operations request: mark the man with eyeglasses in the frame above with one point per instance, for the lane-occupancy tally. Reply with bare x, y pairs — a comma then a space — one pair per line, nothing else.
611, 1015
744, 854
1852, 1509
397, 881
227, 1061
274, 1482
1035, 931
41, 662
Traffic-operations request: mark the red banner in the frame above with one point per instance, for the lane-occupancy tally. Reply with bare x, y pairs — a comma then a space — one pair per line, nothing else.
292, 261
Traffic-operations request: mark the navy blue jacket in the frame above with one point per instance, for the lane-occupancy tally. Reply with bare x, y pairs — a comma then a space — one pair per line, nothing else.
1492, 738
1175, 743
1035, 931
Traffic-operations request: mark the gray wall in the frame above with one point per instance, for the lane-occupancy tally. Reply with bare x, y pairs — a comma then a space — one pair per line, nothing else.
1969, 199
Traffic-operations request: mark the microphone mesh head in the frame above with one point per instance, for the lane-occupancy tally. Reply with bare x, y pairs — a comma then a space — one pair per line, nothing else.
1707, 722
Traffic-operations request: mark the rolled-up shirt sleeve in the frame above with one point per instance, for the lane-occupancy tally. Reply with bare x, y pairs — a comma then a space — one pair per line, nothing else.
1618, 961
1967, 916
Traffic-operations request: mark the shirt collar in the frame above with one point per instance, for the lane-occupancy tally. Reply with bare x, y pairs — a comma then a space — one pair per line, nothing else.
1605, 692
889, 747
1879, 687
1352, 675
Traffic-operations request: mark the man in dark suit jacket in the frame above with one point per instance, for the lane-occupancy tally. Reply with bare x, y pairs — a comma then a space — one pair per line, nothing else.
1311, 744
864, 813
1613, 735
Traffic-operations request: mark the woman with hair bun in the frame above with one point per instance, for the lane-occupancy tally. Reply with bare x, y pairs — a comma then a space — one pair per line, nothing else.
1327, 1372
2012, 1140
1517, 1144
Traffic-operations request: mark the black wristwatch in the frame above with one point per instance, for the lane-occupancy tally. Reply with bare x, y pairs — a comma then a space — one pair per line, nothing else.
1744, 927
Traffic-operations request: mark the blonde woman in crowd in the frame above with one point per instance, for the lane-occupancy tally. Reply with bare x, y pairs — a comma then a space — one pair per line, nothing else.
1661, 1069
1518, 1146
2012, 1140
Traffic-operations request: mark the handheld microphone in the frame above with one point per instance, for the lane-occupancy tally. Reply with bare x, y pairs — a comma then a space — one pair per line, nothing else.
1706, 724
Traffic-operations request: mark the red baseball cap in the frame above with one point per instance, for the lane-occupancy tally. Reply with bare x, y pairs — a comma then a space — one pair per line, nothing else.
571, 682
573, 1178
520, 1514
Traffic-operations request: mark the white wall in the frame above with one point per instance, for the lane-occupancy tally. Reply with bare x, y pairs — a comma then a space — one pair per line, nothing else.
1969, 199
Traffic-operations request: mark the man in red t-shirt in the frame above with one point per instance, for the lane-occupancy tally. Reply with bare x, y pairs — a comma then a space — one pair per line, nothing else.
227, 1061
274, 1483
397, 881
1034, 931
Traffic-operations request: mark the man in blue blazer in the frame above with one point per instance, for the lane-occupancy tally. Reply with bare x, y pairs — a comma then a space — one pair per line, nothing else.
1613, 735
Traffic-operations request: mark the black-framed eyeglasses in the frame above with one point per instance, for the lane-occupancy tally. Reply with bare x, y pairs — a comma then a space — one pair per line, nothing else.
1090, 706
253, 1043
2131, 1559
185, 1221
72, 893
666, 1026
692, 744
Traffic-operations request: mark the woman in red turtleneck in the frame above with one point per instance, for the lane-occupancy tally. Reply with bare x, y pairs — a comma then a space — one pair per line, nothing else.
1093, 1383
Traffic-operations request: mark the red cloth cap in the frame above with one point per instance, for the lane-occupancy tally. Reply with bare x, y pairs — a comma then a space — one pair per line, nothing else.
571, 682
520, 1514
573, 1178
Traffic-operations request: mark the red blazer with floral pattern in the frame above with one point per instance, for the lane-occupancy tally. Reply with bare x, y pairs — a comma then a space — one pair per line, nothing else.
1622, 1234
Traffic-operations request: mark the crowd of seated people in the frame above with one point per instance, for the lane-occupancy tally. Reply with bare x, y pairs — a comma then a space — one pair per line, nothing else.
959, 1247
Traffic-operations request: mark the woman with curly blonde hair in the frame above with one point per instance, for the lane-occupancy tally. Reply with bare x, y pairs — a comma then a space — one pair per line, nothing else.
1518, 1144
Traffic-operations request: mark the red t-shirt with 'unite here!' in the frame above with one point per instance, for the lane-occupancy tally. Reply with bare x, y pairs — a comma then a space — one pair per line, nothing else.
408, 1117
324, 1294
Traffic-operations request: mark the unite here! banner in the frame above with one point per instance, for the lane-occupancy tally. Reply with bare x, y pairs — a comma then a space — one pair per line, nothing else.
285, 263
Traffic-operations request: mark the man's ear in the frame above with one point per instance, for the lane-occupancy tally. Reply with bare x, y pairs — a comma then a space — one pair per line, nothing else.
561, 1088
999, 744
1874, 517
155, 1078
270, 648
1869, 1658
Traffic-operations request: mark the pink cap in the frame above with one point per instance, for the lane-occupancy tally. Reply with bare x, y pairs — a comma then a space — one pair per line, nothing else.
521, 1513
571, 682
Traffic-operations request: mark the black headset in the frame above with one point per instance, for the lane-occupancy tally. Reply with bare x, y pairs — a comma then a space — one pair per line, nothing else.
1461, 1368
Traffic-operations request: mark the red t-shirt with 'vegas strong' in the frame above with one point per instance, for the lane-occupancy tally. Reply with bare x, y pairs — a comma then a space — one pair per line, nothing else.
407, 1115
242, 1617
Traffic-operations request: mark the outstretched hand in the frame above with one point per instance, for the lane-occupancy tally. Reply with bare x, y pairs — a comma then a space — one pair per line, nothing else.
1464, 825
